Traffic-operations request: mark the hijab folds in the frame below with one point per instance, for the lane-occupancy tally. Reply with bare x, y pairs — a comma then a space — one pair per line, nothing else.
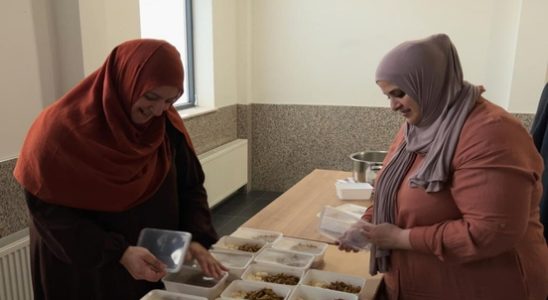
85, 152
429, 71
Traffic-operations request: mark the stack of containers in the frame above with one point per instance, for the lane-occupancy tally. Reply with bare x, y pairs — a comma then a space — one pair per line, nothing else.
282, 266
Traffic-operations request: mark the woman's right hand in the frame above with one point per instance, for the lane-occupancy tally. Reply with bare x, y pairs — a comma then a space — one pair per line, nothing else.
354, 238
142, 265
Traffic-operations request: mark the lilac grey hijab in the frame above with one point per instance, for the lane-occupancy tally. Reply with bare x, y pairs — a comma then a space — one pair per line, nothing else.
429, 71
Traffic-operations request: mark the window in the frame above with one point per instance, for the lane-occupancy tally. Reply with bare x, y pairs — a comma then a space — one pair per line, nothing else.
171, 20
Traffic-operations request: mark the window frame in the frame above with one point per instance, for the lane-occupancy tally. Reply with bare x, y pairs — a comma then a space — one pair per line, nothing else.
189, 68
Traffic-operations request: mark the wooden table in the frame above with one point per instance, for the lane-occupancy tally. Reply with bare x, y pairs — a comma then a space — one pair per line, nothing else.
294, 214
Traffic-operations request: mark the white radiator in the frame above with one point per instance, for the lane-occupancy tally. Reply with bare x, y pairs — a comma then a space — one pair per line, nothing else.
15, 280
225, 169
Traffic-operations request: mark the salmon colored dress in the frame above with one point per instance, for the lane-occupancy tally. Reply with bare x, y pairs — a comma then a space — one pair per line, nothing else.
480, 237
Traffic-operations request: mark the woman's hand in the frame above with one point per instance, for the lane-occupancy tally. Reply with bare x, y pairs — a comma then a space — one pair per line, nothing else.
354, 239
387, 236
142, 265
209, 265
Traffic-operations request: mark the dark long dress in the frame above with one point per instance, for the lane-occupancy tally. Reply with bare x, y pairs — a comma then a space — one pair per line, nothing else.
539, 131
75, 253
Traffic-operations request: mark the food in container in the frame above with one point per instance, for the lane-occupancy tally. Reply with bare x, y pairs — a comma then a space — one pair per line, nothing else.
239, 244
334, 281
257, 234
241, 289
273, 274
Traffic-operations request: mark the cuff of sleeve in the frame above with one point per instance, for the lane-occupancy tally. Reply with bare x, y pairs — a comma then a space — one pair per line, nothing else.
417, 238
115, 248
368, 215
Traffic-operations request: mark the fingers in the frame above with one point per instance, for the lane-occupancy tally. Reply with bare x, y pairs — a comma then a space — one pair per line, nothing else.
154, 264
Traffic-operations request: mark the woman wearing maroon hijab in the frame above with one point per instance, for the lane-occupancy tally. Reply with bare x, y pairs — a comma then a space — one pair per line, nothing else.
109, 158
456, 212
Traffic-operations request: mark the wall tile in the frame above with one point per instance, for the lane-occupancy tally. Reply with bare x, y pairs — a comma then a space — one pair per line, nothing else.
13, 209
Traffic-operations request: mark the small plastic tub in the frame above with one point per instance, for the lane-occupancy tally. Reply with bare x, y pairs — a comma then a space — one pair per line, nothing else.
353, 190
257, 234
302, 246
273, 274
239, 288
169, 246
290, 259
334, 223
192, 281
236, 262
239, 244
167, 295
304, 292
334, 281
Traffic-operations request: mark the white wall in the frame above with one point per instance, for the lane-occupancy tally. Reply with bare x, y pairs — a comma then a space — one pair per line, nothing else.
105, 24
20, 80
326, 52
531, 60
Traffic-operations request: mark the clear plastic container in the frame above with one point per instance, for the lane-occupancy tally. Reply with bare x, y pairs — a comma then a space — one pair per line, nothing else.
167, 295
194, 282
238, 288
302, 246
238, 244
257, 234
304, 292
169, 246
335, 224
258, 272
285, 258
321, 279
236, 262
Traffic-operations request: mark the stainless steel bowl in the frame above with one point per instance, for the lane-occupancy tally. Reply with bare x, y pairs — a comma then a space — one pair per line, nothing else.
366, 164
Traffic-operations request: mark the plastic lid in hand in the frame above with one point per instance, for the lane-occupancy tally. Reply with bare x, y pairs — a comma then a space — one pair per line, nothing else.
335, 224
169, 246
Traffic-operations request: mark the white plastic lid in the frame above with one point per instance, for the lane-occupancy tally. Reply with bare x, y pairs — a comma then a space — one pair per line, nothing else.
169, 246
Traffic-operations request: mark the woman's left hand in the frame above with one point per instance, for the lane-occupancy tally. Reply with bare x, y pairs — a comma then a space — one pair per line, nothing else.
207, 262
387, 236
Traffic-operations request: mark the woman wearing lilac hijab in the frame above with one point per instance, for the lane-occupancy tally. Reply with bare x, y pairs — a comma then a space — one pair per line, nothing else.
456, 209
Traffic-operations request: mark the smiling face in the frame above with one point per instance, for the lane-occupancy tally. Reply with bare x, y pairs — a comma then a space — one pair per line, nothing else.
153, 104
401, 102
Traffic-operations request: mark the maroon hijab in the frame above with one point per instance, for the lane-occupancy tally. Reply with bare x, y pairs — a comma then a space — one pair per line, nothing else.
85, 152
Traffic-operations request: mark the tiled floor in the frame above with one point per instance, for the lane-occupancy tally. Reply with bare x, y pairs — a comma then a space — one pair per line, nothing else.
238, 208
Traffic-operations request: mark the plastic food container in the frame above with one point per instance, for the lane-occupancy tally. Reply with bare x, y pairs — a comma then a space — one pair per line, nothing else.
290, 259
258, 272
192, 281
334, 223
169, 246
238, 288
353, 190
236, 244
304, 292
321, 279
166, 295
236, 262
257, 234
302, 246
